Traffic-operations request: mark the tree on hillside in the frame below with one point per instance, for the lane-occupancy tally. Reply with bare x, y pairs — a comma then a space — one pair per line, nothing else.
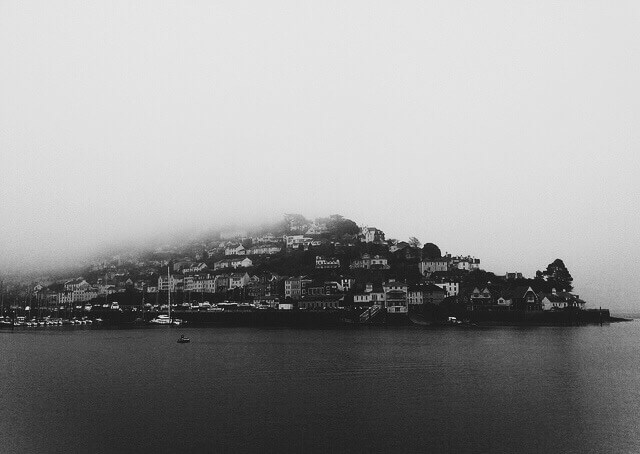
295, 223
430, 252
339, 226
558, 275
477, 278
414, 242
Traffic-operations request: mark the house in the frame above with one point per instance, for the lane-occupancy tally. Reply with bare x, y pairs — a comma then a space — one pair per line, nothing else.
267, 249
238, 280
317, 229
268, 238
433, 266
233, 263
221, 282
297, 241
76, 284
316, 289
560, 300
450, 288
235, 250
321, 303
395, 296
366, 262
200, 267
200, 284
347, 283
512, 276
296, 287
418, 295
480, 300
465, 263
181, 265
522, 298
362, 299
84, 295
327, 262
526, 299
371, 235
171, 283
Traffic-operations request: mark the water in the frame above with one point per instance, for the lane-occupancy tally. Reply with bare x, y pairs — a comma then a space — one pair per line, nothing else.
503, 389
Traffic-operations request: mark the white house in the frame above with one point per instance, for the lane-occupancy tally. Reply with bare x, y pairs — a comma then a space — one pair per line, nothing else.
297, 241
371, 235
327, 262
267, 249
235, 250
450, 288
238, 280
370, 263
172, 283
195, 269
561, 300
245, 262
432, 266
395, 296
76, 284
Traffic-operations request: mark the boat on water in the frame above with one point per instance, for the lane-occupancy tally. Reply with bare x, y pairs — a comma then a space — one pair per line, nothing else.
183, 339
164, 319
6, 322
161, 320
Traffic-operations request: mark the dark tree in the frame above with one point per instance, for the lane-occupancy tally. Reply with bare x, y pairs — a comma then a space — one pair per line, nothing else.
558, 275
340, 226
430, 252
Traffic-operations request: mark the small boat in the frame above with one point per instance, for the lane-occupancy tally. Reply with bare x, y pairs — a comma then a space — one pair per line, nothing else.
183, 340
161, 320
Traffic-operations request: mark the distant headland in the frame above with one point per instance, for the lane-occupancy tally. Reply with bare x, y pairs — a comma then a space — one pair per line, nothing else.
298, 271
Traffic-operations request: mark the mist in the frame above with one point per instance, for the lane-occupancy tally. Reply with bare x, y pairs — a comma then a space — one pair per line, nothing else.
502, 130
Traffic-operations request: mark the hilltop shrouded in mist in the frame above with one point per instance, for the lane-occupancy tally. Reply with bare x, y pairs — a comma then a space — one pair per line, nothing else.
506, 132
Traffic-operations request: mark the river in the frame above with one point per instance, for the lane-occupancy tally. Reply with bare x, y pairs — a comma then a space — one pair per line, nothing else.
404, 389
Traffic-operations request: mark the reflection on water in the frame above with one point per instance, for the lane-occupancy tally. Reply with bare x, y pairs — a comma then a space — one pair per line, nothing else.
281, 390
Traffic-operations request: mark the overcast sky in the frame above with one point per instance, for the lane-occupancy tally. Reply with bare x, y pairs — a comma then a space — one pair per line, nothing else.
506, 130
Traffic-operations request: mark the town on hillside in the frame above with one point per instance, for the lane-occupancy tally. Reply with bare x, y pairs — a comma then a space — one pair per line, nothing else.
322, 265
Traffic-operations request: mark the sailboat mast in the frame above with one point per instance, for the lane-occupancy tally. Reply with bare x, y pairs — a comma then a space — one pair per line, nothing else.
169, 291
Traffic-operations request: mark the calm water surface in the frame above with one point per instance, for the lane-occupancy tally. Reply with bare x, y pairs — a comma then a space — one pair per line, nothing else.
504, 389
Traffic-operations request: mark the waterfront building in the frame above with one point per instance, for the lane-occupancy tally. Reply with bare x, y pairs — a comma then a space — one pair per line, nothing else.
450, 288
395, 296
560, 300
238, 280
321, 303
420, 294
296, 287
172, 283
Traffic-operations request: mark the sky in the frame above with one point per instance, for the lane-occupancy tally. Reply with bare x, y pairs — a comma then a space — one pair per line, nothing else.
505, 130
